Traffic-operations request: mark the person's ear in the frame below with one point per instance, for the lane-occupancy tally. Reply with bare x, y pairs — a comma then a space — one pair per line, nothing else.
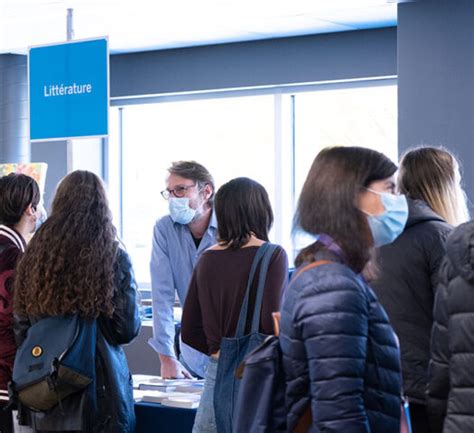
207, 192
30, 210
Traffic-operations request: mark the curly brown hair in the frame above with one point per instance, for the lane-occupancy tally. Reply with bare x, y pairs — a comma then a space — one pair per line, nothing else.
68, 267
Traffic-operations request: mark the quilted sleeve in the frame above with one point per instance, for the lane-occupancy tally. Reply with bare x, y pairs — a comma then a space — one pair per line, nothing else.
438, 371
332, 320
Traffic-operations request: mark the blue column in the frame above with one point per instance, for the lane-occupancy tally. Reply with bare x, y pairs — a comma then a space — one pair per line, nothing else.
14, 143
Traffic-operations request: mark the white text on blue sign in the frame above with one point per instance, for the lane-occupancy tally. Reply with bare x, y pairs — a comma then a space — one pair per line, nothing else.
62, 90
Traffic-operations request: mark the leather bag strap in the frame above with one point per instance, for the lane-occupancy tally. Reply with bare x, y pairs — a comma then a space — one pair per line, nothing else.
304, 423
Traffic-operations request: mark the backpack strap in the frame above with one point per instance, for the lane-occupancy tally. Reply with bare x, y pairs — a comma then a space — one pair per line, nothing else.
304, 423
277, 315
306, 419
311, 266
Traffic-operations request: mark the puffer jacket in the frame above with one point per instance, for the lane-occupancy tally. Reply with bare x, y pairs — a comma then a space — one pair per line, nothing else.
340, 353
112, 390
406, 286
451, 372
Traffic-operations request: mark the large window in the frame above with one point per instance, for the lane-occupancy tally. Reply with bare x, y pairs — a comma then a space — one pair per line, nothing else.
358, 116
270, 138
361, 116
230, 136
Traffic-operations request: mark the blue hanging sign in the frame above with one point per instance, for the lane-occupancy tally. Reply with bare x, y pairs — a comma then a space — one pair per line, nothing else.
69, 90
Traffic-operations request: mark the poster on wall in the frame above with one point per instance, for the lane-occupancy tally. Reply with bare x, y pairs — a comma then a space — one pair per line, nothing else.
68, 88
36, 170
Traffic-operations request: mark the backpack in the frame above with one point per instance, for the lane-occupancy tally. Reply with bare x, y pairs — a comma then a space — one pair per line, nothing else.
261, 399
56, 360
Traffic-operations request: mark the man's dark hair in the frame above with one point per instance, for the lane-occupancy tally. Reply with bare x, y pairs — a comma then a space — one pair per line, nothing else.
17, 192
328, 201
242, 209
194, 171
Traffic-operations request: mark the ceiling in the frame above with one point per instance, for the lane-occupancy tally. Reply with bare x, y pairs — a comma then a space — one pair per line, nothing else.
141, 25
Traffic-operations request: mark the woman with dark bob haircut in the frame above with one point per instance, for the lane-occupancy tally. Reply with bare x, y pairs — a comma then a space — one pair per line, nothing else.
19, 213
74, 266
340, 354
219, 282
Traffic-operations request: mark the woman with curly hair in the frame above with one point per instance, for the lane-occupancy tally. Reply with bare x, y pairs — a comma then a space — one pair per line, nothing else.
74, 266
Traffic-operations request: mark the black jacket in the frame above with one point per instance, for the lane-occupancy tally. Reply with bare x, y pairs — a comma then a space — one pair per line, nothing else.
112, 389
340, 354
408, 274
451, 372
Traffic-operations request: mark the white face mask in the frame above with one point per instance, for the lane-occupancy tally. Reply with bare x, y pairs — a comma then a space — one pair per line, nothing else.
180, 211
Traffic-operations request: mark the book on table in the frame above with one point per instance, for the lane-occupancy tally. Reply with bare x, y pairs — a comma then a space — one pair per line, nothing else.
182, 402
151, 396
147, 382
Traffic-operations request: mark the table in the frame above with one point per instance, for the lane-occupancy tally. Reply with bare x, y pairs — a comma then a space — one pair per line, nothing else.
155, 418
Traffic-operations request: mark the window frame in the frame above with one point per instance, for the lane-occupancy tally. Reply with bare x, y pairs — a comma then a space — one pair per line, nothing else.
284, 139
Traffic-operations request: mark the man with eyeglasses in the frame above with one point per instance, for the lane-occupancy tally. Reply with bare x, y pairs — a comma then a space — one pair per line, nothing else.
178, 240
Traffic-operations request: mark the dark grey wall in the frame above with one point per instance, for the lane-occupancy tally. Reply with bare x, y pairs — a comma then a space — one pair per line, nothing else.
336, 56
436, 78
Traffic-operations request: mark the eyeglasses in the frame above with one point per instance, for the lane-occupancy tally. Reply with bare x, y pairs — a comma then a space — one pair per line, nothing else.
177, 191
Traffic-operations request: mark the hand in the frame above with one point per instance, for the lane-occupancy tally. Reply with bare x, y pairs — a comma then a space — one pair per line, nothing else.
171, 368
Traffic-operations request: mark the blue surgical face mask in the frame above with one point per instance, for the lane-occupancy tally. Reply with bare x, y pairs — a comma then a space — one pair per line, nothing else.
387, 226
180, 211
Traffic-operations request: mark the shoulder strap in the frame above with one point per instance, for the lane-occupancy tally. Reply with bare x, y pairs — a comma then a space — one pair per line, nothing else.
240, 330
310, 266
277, 315
261, 287
305, 421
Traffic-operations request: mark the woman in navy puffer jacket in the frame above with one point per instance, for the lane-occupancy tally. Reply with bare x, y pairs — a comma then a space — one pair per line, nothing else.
340, 354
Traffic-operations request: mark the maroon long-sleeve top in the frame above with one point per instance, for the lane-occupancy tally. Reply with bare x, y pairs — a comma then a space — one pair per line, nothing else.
216, 293
12, 246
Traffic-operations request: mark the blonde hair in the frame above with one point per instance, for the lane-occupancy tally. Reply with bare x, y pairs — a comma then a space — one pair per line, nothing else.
433, 175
